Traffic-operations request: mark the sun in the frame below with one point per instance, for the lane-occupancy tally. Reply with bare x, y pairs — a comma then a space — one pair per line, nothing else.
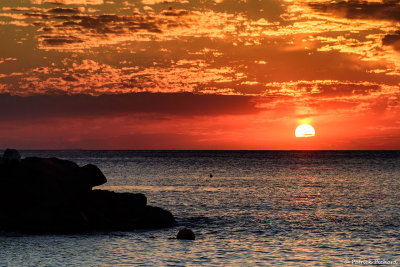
304, 130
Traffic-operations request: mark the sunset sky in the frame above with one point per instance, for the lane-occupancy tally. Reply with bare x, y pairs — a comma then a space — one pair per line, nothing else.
201, 74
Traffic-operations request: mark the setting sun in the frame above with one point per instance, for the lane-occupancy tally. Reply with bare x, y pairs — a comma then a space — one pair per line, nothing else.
304, 130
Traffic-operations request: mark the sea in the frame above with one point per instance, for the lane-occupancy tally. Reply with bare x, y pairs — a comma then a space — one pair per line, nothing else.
259, 208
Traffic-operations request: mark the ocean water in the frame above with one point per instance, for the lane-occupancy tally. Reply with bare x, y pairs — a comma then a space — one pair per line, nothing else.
260, 208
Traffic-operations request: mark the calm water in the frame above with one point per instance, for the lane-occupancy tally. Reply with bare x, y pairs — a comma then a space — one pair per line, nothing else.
260, 208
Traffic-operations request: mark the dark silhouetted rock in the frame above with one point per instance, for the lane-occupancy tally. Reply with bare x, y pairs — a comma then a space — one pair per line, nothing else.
94, 176
125, 211
185, 234
50, 195
11, 154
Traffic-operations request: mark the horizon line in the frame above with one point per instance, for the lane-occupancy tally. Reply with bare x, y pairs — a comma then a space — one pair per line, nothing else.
215, 150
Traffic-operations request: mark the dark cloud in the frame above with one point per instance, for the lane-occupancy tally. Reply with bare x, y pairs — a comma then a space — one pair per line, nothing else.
345, 89
174, 12
63, 10
115, 24
393, 40
46, 29
59, 40
183, 104
38, 15
387, 10
70, 79
103, 24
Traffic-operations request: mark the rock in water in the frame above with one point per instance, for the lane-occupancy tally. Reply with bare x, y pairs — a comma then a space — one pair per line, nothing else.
50, 195
11, 154
185, 234
125, 211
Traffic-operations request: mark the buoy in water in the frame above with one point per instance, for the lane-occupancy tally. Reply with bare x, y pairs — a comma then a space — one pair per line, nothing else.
185, 234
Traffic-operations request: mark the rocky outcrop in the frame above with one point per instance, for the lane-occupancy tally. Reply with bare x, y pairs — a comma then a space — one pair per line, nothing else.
10, 155
50, 195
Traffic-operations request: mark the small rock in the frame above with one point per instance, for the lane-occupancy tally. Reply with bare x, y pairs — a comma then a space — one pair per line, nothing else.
185, 234
11, 154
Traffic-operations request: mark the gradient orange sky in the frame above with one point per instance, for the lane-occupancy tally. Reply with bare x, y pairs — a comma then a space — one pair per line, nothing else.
210, 74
